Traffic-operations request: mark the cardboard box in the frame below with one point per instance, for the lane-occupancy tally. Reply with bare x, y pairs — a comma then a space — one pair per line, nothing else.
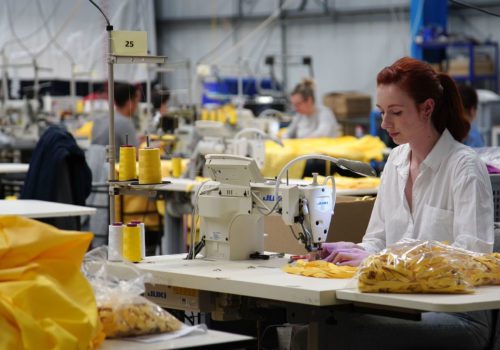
483, 65
349, 223
348, 104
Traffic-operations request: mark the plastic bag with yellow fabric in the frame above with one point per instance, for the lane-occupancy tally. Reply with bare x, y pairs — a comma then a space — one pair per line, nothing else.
122, 310
413, 266
45, 301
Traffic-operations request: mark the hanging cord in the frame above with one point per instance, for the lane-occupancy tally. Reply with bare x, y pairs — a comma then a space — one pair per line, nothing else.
194, 249
105, 17
19, 39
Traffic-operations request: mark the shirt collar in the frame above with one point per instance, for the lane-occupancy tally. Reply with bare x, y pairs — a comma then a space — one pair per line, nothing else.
439, 151
434, 158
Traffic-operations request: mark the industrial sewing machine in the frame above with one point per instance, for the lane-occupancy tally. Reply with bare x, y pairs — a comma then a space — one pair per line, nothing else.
232, 206
217, 139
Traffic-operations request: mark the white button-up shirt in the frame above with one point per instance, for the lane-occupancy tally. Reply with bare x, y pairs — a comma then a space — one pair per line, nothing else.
452, 200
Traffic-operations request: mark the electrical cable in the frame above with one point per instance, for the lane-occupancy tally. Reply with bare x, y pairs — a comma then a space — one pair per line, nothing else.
51, 38
105, 17
293, 232
36, 31
63, 26
466, 5
224, 40
260, 27
266, 330
192, 248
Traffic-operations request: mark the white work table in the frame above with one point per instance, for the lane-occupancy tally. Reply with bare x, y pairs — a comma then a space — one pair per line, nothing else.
484, 298
211, 337
14, 168
253, 278
42, 209
310, 300
265, 279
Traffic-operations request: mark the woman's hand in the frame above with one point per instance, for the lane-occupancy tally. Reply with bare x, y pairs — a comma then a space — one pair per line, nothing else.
350, 257
343, 253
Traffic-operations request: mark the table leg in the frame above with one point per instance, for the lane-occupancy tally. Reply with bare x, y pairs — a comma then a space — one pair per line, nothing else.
172, 241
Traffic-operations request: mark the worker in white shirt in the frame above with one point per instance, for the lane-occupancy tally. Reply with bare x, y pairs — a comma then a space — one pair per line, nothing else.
433, 188
311, 120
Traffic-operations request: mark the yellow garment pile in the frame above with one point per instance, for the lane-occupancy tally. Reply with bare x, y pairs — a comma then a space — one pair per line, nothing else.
85, 130
427, 267
349, 147
320, 269
45, 301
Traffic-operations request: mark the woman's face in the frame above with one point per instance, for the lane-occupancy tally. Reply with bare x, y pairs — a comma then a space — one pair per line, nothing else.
302, 106
401, 117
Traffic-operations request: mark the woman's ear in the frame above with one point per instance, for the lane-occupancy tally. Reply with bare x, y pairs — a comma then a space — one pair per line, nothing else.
427, 107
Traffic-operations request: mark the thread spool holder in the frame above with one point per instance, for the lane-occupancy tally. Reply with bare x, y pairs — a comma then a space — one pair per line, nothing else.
113, 59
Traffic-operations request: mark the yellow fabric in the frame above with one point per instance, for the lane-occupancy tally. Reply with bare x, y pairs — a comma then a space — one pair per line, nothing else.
45, 301
364, 149
85, 130
320, 269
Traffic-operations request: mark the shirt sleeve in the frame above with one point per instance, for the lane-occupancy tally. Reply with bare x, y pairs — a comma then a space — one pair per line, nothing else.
327, 124
374, 238
291, 130
473, 208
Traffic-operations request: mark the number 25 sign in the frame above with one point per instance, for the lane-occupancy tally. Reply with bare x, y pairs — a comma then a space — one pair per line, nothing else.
129, 43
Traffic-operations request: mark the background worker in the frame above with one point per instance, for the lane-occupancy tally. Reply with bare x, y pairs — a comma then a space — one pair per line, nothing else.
159, 99
470, 101
311, 120
126, 99
433, 188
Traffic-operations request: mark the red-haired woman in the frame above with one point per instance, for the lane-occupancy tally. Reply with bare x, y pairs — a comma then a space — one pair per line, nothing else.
433, 188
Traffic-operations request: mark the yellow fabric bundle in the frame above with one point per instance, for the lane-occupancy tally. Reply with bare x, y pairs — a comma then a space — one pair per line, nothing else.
427, 267
320, 269
45, 301
364, 149
85, 130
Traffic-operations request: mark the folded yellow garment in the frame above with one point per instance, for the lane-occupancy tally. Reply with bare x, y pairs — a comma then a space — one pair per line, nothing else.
349, 147
320, 269
45, 301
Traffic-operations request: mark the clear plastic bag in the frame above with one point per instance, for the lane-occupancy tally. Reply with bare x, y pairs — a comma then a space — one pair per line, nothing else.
123, 312
411, 266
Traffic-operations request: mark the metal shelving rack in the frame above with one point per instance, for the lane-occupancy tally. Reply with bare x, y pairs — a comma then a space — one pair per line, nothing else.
471, 49
115, 188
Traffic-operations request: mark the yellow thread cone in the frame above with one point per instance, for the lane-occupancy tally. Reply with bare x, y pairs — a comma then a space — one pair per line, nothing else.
149, 166
132, 242
128, 167
176, 166
205, 115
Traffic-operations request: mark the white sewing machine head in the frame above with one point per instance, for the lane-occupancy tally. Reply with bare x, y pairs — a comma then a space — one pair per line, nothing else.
233, 208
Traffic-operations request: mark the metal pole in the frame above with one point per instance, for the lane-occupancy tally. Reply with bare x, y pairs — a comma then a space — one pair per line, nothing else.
190, 83
5, 83
72, 88
148, 93
36, 82
111, 149
284, 49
